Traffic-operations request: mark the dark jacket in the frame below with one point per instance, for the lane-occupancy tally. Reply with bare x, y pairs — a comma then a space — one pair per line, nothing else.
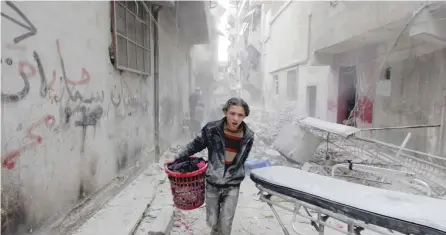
212, 138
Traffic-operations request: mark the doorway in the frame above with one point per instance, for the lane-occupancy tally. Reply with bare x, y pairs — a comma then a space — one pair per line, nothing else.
346, 93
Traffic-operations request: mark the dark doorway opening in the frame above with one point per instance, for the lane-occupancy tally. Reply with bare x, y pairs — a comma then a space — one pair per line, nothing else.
346, 95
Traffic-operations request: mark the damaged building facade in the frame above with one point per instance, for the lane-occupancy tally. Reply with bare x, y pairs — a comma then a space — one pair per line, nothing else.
244, 52
91, 93
385, 59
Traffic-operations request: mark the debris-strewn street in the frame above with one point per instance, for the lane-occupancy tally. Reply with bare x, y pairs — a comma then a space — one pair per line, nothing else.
325, 102
252, 217
155, 214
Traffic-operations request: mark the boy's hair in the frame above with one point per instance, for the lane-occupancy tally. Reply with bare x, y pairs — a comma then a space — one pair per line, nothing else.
236, 101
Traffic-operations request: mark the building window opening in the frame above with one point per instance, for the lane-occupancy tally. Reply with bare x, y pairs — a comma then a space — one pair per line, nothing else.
131, 36
387, 74
276, 84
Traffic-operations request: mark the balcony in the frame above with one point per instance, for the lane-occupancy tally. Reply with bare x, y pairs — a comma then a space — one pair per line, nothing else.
254, 38
350, 25
372, 36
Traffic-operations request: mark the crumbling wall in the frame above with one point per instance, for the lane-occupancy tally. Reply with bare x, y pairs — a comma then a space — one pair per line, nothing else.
415, 97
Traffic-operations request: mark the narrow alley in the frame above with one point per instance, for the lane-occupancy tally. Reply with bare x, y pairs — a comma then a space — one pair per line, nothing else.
343, 131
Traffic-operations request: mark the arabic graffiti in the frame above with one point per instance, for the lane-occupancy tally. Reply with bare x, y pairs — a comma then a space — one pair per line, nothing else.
43, 82
8, 161
27, 71
89, 117
32, 30
19, 95
85, 79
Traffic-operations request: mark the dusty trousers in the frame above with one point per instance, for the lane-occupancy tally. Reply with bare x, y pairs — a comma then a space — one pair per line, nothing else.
221, 203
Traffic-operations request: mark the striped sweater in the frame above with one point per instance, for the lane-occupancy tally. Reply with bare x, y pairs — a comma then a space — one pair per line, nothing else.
232, 144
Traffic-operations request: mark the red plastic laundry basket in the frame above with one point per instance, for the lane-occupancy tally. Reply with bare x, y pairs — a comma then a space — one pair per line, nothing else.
188, 189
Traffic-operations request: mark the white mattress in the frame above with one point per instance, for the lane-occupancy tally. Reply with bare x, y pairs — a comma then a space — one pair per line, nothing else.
420, 210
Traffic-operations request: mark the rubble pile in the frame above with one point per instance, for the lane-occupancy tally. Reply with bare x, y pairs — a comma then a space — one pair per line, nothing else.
267, 131
262, 151
333, 150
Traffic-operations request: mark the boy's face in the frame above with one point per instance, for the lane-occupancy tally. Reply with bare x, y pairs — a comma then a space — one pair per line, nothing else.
234, 116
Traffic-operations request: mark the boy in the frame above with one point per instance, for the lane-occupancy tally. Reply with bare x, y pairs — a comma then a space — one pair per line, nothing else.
229, 142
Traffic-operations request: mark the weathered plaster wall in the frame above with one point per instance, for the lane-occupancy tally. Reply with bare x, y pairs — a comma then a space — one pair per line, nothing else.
173, 82
415, 97
70, 121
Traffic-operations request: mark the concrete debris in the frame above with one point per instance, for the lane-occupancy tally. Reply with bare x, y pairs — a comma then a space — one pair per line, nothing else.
268, 130
296, 144
332, 150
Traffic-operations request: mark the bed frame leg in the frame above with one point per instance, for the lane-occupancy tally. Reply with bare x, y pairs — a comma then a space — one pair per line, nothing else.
285, 231
321, 227
354, 230
350, 228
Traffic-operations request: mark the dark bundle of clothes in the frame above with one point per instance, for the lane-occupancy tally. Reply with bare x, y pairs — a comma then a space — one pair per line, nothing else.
187, 164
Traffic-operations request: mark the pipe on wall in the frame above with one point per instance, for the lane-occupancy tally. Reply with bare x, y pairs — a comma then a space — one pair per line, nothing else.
156, 75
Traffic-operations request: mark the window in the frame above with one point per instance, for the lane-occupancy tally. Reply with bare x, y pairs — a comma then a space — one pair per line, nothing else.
131, 36
292, 84
276, 83
387, 74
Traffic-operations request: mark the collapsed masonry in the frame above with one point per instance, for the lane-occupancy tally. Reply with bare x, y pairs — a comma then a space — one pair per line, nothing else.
373, 163
316, 146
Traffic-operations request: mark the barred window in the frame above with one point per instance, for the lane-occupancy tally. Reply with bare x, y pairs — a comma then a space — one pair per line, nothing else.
131, 34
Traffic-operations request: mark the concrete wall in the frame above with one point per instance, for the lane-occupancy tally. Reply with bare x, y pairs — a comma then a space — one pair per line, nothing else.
59, 155
174, 82
284, 48
289, 34
320, 77
412, 96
